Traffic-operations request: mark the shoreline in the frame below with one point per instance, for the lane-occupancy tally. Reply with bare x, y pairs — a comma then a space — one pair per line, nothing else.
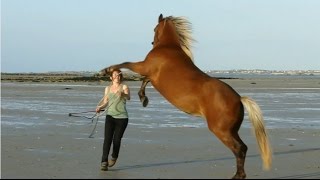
90, 77
254, 82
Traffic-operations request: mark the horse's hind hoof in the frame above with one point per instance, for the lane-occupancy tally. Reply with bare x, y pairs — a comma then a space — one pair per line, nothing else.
239, 176
144, 101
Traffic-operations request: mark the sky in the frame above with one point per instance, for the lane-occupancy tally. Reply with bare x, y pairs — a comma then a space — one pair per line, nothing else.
89, 35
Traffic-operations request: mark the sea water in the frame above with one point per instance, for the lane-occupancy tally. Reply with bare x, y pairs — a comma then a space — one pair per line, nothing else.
31, 104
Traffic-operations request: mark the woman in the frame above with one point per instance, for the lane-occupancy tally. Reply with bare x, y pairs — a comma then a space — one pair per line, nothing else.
116, 119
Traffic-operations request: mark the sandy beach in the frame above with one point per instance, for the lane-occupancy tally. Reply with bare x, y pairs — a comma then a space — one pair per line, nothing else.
39, 140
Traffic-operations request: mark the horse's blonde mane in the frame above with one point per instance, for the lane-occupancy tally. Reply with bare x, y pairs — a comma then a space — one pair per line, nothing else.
184, 30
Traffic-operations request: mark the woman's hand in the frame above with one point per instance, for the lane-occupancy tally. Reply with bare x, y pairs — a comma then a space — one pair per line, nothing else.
123, 95
98, 109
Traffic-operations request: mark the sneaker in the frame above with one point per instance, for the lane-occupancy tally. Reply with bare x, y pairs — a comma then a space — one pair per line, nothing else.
104, 166
112, 162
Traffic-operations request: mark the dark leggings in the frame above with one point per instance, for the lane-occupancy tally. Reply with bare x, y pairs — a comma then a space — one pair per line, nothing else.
113, 132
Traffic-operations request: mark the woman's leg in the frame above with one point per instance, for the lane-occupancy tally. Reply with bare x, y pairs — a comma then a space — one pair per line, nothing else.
108, 135
120, 127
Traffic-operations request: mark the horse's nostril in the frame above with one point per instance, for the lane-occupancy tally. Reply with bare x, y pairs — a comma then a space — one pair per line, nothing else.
152, 43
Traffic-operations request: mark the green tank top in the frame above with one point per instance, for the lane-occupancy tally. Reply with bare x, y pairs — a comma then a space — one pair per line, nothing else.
117, 106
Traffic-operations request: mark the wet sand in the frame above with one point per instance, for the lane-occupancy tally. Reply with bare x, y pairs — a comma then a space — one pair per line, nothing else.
53, 151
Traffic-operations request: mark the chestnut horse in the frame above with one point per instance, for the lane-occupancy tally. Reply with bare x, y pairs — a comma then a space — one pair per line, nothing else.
169, 67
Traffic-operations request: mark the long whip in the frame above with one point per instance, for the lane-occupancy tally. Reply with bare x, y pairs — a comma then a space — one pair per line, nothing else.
96, 115
100, 114
78, 114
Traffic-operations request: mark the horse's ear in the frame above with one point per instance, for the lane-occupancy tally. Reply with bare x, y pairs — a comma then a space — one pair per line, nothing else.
160, 18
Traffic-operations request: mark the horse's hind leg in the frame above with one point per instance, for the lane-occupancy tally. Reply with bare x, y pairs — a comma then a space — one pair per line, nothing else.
142, 95
239, 149
236, 145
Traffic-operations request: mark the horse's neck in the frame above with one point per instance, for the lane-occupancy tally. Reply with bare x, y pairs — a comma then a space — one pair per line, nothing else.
169, 35
188, 52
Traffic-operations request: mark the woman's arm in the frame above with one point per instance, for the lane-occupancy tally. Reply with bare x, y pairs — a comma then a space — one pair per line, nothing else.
125, 92
104, 101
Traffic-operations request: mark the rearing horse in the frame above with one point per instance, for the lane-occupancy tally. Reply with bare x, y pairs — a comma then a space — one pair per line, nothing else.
170, 69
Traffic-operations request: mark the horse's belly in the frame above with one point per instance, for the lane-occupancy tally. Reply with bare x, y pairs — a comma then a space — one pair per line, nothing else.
182, 99
189, 106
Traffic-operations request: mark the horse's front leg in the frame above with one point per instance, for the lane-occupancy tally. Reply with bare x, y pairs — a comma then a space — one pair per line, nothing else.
142, 95
137, 67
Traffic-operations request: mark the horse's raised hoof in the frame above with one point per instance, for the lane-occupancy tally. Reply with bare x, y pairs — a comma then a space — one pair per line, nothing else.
144, 101
105, 71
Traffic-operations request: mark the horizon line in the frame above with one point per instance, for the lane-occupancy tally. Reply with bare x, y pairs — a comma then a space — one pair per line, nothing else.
88, 71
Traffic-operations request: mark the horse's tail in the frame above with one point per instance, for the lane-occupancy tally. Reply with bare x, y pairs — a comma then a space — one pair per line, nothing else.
256, 118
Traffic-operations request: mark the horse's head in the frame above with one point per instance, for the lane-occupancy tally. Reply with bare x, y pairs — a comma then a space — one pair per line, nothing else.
165, 32
173, 30
157, 31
